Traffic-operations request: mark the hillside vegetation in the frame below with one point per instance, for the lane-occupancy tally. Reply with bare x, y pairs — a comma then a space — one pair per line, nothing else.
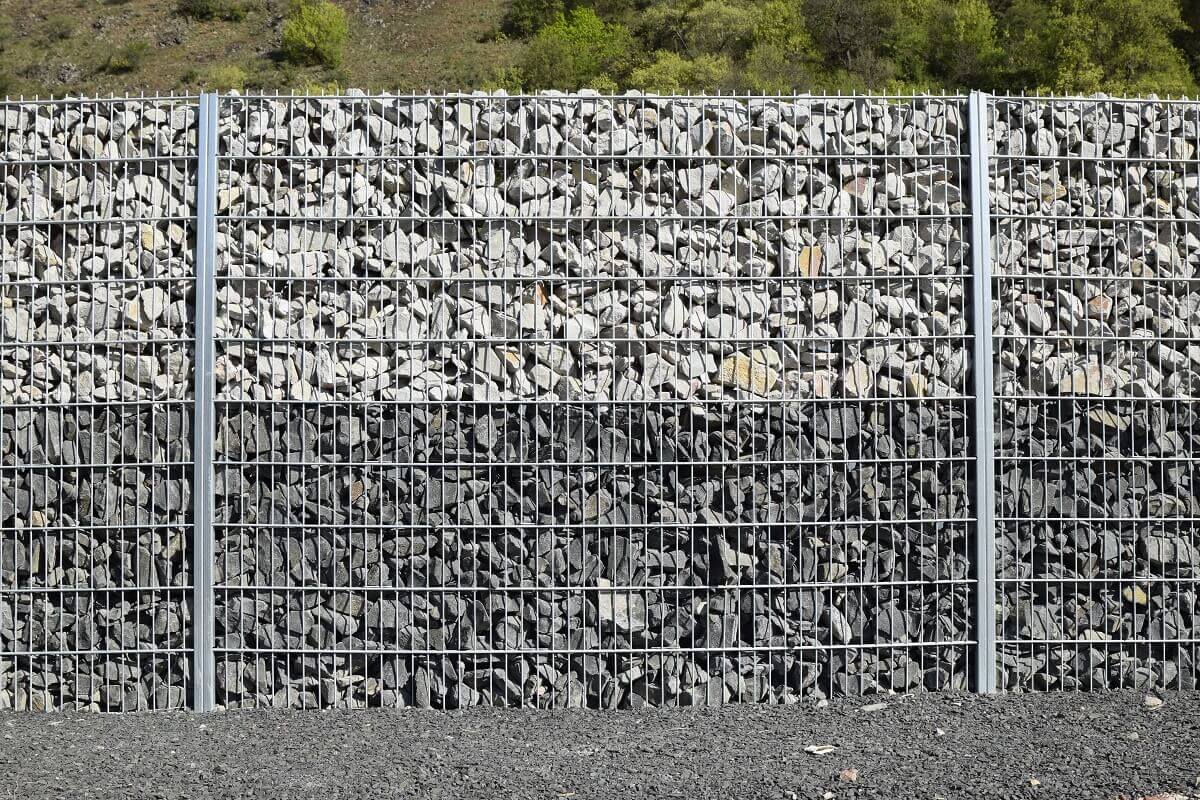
1068, 46
61, 46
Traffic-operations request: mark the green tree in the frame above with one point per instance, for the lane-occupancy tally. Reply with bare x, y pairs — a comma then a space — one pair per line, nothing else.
963, 45
784, 57
1134, 46
1141, 56
1187, 38
1091, 45
526, 17
578, 50
849, 30
315, 33
695, 27
908, 40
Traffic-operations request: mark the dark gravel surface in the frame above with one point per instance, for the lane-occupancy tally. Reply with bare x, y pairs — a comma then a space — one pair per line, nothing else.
1071, 746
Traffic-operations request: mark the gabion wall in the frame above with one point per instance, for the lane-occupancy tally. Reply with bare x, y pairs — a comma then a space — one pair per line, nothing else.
96, 342
568, 401
577, 400
1095, 221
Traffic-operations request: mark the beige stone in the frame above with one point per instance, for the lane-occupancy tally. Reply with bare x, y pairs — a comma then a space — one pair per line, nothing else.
1094, 379
748, 373
1136, 595
810, 261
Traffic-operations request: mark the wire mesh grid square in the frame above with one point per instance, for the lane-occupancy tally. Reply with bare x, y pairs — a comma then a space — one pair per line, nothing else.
1094, 219
583, 401
96, 344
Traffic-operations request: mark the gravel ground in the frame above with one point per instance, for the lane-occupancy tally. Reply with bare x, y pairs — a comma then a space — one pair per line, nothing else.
1055, 745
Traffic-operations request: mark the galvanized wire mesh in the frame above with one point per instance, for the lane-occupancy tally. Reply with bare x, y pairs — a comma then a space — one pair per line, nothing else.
1094, 216
575, 400
571, 400
95, 402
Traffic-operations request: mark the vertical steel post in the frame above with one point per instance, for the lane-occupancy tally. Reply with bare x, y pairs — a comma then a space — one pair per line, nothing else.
985, 445
203, 633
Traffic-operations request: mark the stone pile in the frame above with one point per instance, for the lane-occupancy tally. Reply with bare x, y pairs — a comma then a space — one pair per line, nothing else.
95, 417
518, 388
1098, 370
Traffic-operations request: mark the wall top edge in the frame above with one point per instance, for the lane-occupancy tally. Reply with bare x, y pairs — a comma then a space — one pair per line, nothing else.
357, 95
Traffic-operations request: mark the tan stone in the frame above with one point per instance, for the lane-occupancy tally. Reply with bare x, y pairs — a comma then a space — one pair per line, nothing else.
150, 237
821, 381
1136, 595
810, 261
1094, 380
748, 373
1108, 419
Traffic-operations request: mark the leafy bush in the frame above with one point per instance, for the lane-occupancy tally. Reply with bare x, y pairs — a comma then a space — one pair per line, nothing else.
127, 58
319, 88
576, 51
503, 77
223, 77
59, 28
315, 33
671, 73
229, 10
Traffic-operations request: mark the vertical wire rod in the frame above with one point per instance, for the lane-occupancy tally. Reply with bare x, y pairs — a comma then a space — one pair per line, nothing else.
981, 322
203, 632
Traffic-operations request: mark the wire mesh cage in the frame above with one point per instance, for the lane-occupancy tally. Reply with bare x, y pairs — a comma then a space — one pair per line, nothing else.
578, 400
1094, 219
96, 345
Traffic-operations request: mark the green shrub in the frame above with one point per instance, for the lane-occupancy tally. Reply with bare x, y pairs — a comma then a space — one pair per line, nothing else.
503, 77
222, 77
318, 88
127, 58
671, 73
578, 50
229, 10
59, 28
314, 33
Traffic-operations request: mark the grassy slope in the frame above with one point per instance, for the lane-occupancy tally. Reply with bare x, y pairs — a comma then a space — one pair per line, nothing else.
394, 44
